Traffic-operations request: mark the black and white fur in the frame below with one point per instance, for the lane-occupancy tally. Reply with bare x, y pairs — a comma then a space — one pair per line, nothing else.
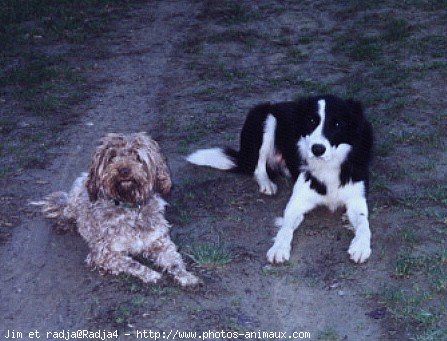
325, 144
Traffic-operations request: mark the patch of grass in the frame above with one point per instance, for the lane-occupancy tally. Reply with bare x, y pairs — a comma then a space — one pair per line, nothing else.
36, 75
431, 45
229, 12
383, 149
359, 48
310, 87
396, 30
425, 5
4, 171
391, 75
328, 334
274, 271
432, 266
410, 308
209, 255
432, 335
379, 183
365, 49
408, 235
305, 40
434, 194
123, 314
163, 291
191, 45
133, 284
439, 215
73, 21
294, 55
246, 37
426, 139
406, 264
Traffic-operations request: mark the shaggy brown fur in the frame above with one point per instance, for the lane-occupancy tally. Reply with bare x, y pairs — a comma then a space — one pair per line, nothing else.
118, 211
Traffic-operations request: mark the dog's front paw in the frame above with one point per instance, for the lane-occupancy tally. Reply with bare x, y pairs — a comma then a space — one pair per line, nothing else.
278, 253
268, 187
187, 279
151, 277
360, 249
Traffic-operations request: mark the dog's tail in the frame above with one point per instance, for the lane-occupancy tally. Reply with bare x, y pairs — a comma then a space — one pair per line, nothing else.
53, 205
224, 159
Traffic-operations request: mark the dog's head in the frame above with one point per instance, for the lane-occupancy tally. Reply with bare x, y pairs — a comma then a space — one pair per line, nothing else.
123, 168
332, 128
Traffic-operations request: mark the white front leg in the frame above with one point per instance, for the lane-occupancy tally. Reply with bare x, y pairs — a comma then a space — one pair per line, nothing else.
360, 248
303, 200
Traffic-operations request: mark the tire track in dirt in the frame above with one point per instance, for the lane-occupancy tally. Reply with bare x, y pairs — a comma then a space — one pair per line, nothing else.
44, 284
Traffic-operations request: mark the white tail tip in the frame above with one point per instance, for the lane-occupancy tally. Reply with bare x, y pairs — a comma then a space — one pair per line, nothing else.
213, 157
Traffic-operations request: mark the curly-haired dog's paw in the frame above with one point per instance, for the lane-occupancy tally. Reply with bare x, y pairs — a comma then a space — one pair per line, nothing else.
150, 277
188, 280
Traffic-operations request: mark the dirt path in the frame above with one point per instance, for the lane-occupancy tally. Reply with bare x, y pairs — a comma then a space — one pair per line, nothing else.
187, 72
44, 284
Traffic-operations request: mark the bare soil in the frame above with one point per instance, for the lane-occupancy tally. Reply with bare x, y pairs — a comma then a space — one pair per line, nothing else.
187, 72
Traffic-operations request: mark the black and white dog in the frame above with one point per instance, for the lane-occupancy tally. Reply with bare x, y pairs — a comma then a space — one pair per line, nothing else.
325, 144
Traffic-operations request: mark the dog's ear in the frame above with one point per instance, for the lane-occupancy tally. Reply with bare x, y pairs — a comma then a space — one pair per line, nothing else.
95, 169
364, 130
149, 151
164, 183
356, 113
93, 176
356, 107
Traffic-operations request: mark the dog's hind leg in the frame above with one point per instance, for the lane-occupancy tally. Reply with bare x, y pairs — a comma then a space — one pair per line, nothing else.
117, 262
266, 152
164, 254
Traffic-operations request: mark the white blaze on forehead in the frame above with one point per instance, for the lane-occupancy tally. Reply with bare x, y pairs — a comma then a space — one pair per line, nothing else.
316, 137
322, 111
318, 132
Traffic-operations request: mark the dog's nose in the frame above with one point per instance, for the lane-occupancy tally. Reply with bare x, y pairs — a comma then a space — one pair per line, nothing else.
124, 171
318, 149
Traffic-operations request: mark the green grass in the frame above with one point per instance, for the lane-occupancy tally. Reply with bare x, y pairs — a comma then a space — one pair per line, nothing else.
434, 194
412, 309
408, 235
396, 30
295, 55
4, 171
228, 12
122, 314
209, 255
328, 334
311, 87
72, 21
163, 291
192, 45
45, 84
433, 267
274, 271
246, 37
359, 48
432, 335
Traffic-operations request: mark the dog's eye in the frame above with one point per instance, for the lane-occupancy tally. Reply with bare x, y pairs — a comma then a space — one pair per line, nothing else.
338, 124
139, 158
112, 155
